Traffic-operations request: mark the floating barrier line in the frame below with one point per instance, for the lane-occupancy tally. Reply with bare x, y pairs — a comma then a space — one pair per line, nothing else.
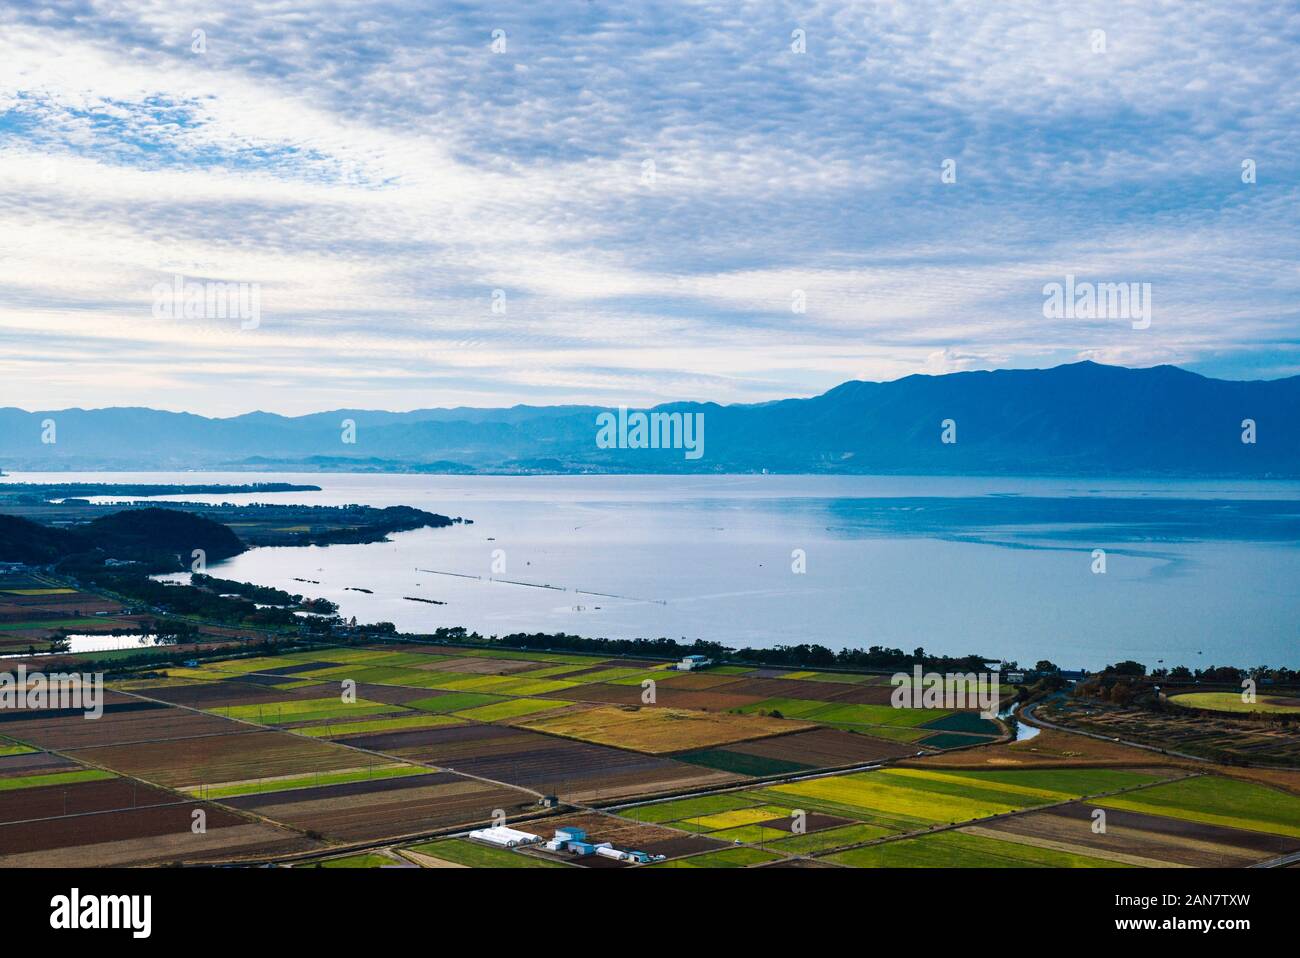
539, 585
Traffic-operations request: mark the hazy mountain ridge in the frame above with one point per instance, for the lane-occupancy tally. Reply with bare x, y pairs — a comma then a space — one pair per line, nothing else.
1078, 419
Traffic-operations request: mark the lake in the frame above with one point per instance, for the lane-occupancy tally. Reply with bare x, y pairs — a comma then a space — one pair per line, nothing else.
1196, 572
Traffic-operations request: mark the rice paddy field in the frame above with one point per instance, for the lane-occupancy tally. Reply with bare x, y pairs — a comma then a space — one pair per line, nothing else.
324, 751
913, 818
36, 609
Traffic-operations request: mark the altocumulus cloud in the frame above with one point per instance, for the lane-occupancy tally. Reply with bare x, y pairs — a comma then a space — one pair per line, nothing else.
652, 188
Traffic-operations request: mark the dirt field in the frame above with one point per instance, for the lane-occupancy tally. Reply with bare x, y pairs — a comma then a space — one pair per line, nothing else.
361, 811
1219, 737
214, 759
1140, 839
33, 763
17, 838
824, 748
134, 838
557, 766
476, 665
666, 695
843, 692
125, 721
1049, 748
215, 695
78, 798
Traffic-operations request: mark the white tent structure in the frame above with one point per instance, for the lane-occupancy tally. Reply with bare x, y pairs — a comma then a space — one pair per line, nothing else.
505, 837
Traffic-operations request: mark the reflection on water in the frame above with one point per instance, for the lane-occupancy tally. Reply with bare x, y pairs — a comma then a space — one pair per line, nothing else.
1196, 573
1024, 731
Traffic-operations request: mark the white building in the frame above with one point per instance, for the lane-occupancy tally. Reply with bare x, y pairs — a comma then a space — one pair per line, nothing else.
505, 837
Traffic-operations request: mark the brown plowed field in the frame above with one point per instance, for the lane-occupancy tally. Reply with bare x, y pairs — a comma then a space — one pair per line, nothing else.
1142, 839
132, 838
141, 723
665, 694
213, 695
843, 692
1048, 749
224, 758
31, 763
76, 798
813, 822
547, 764
389, 808
698, 681
825, 748
90, 829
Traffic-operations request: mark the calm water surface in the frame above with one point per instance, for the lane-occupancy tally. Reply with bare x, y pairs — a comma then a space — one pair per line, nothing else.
1196, 572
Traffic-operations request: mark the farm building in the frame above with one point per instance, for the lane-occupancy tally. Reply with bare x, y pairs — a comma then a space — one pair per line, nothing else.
505, 837
691, 662
574, 841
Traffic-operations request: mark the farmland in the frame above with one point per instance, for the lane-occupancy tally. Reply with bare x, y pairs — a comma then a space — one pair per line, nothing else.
319, 750
1232, 702
659, 730
908, 818
955, 849
1227, 736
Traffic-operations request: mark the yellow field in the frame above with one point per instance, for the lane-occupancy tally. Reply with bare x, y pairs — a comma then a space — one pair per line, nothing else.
740, 816
657, 730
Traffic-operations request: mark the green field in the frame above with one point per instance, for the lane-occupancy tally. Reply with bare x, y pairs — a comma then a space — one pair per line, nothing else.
355, 861
682, 808
57, 624
460, 851
1217, 801
304, 710
455, 702
504, 684
725, 858
832, 713
954, 849
54, 778
965, 722
750, 834
606, 675
829, 838
1231, 702
953, 740
10, 748
740, 762
511, 708
400, 723
904, 798
306, 781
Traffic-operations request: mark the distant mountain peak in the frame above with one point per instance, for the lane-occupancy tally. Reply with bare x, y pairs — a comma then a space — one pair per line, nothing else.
1078, 418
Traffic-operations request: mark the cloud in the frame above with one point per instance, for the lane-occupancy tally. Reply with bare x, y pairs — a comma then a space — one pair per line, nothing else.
650, 187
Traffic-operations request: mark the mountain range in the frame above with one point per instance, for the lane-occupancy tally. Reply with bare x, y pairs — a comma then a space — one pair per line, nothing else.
1077, 419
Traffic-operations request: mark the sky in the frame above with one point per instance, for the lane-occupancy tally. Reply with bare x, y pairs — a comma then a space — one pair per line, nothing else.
441, 204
